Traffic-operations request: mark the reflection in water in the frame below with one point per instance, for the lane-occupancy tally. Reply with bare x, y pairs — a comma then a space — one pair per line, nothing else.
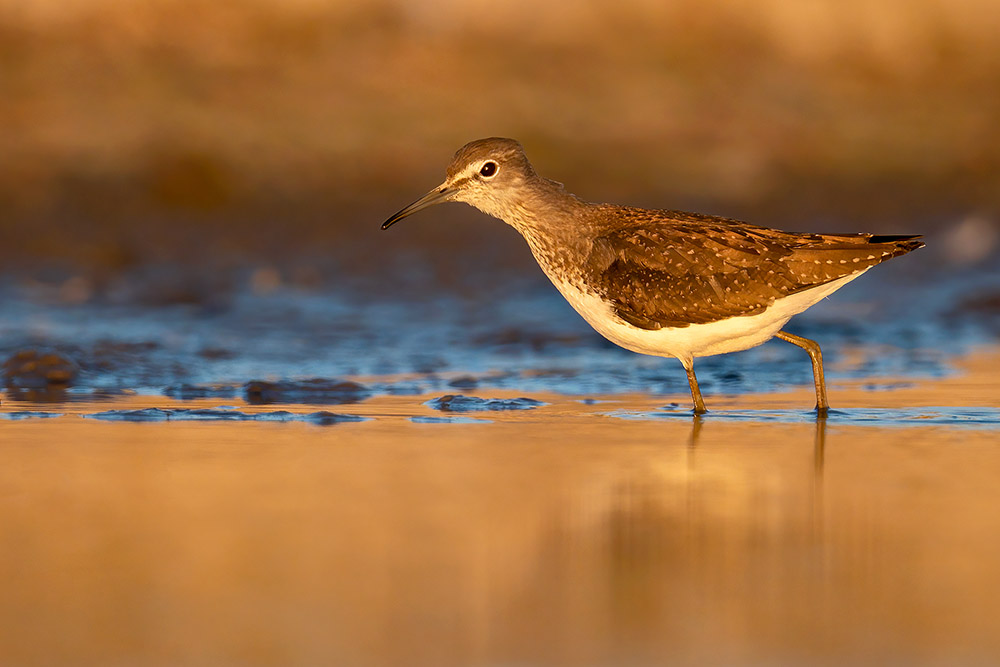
545, 537
696, 424
819, 444
819, 441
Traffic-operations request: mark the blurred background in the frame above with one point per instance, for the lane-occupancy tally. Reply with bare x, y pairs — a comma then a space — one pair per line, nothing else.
190, 201
261, 142
192, 191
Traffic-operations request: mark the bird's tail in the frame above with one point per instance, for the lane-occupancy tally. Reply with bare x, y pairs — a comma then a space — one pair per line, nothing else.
897, 245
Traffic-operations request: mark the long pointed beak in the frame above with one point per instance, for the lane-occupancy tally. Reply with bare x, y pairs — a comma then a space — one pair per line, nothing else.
435, 196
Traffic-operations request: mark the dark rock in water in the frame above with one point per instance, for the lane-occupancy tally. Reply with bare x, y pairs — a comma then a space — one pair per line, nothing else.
455, 403
325, 418
124, 364
464, 382
39, 369
317, 390
186, 392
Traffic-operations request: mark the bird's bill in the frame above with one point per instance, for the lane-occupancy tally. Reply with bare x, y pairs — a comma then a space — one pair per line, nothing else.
435, 196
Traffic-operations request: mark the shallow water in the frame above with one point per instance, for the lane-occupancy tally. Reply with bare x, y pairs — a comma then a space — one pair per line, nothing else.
558, 534
527, 339
304, 479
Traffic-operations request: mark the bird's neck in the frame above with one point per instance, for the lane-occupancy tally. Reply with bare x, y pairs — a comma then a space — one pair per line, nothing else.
553, 221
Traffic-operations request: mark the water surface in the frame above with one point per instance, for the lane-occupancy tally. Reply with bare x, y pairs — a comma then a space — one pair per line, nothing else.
560, 534
306, 478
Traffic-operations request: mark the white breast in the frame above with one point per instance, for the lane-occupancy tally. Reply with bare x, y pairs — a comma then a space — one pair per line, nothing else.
696, 340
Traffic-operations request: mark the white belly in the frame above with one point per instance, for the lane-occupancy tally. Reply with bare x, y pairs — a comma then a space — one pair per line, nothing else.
696, 340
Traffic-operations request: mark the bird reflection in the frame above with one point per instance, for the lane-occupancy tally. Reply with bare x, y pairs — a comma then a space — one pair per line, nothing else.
819, 444
696, 423
819, 438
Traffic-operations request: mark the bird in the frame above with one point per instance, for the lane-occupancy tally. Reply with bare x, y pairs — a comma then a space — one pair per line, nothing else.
662, 282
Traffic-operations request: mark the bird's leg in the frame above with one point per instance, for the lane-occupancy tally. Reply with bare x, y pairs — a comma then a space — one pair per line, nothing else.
699, 402
816, 355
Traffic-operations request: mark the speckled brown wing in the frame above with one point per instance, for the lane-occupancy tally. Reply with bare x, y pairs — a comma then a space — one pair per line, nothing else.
672, 269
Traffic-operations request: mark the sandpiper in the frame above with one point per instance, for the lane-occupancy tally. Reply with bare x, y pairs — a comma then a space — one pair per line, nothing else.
664, 283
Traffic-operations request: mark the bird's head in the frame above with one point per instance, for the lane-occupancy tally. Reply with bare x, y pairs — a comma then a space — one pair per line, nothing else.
486, 173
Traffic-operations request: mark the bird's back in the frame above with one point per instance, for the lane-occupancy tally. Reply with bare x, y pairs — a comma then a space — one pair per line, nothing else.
672, 269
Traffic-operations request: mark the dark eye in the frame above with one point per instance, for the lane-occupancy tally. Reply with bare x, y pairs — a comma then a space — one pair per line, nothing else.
488, 169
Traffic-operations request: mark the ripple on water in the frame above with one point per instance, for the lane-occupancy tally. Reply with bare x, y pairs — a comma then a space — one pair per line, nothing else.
434, 419
322, 418
29, 414
988, 418
459, 403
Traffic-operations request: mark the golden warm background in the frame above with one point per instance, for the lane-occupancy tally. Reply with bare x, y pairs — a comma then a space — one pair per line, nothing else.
230, 134
240, 155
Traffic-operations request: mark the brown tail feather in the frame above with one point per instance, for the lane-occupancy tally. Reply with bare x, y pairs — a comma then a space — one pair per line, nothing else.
900, 245
875, 238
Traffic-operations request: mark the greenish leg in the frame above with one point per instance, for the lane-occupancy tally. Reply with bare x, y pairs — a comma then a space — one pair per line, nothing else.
699, 402
816, 355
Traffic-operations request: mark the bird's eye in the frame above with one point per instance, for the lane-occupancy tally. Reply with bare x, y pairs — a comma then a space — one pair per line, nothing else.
488, 169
